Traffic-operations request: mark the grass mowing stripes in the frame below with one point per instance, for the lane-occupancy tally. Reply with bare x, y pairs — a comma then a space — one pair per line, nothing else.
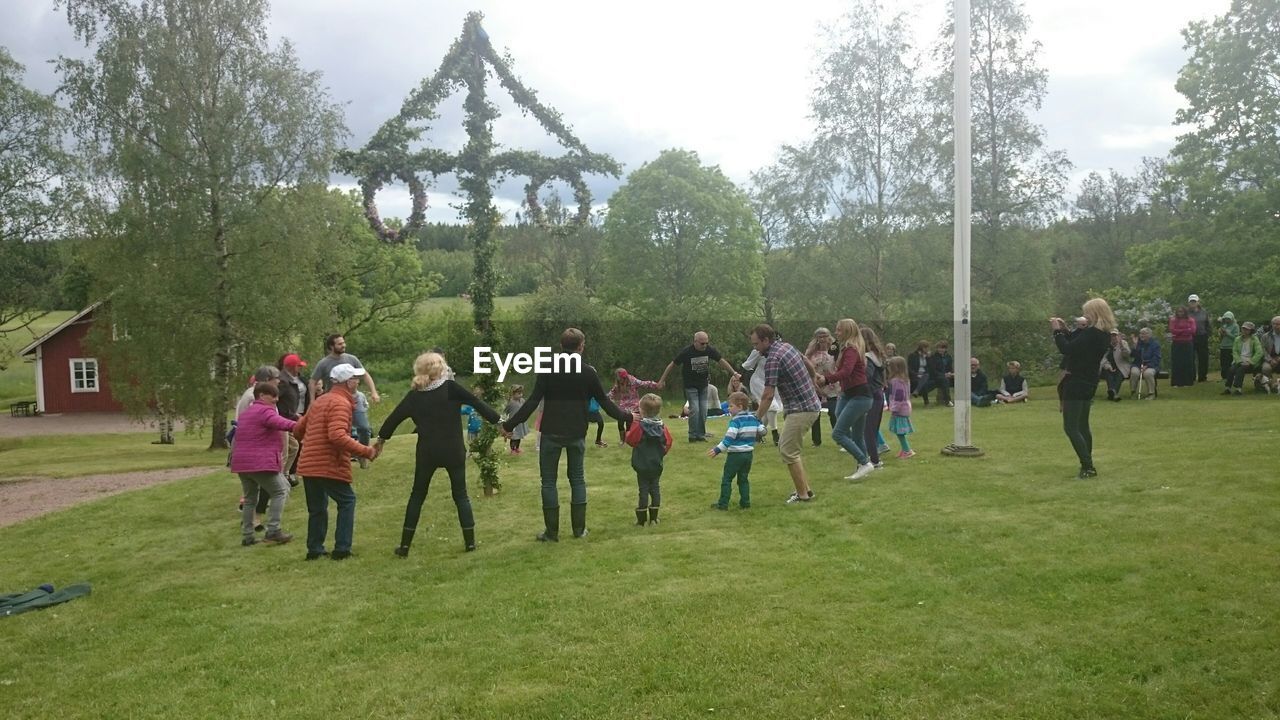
937, 588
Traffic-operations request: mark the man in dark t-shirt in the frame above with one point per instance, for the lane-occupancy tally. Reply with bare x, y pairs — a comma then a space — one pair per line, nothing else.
564, 396
695, 370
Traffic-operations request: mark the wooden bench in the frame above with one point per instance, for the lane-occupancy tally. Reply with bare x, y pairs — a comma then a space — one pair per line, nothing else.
26, 408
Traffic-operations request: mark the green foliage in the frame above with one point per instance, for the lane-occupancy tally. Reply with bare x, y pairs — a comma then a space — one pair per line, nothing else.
681, 241
453, 267
218, 195
37, 196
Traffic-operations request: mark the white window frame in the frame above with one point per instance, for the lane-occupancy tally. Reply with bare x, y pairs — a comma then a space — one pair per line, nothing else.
85, 364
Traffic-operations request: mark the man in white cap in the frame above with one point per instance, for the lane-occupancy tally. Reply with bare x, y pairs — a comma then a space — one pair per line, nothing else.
1197, 312
325, 434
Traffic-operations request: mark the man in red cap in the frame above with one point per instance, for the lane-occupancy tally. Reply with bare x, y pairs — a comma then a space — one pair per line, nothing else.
292, 405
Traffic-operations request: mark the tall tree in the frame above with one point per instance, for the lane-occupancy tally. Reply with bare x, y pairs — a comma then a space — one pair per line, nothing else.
34, 184
681, 241
1223, 180
205, 136
1017, 183
865, 176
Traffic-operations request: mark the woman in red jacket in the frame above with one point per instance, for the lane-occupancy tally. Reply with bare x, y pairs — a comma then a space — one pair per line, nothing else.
1182, 331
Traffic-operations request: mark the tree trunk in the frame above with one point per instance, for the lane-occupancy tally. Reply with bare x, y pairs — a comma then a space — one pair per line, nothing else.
222, 358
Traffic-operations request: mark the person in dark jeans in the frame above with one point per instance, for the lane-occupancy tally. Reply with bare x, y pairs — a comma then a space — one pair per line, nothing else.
1083, 352
940, 375
1201, 339
564, 395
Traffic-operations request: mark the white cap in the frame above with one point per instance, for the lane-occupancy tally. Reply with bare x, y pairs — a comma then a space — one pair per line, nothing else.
344, 372
1193, 298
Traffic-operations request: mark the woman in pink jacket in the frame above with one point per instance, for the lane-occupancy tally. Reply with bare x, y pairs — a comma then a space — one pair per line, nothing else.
257, 457
1182, 333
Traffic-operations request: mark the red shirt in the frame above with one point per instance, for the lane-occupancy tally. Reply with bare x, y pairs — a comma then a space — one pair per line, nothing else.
1183, 330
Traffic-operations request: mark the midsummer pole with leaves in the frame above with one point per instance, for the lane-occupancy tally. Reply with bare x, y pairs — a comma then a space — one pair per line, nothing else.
388, 156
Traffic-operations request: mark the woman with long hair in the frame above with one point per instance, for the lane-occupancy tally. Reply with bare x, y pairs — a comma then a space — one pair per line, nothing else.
819, 353
434, 403
1082, 354
855, 396
875, 359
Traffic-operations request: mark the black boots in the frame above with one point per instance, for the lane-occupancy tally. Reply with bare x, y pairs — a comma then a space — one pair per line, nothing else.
775, 437
578, 516
550, 518
653, 515
406, 539
469, 538
641, 515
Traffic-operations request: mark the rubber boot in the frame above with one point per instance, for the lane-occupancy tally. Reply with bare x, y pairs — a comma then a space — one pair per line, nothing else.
551, 518
578, 516
641, 514
469, 538
653, 515
406, 539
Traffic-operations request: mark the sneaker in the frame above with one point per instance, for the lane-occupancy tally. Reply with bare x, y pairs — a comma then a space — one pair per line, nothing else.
246, 542
795, 498
718, 506
1227, 391
340, 555
601, 443
402, 551
316, 555
903, 455
1087, 473
1237, 391
882, 449
950, 404
277, 538
292, 479
879, 465
862, 471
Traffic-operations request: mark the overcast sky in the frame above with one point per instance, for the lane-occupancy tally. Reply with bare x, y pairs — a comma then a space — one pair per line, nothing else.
729, 79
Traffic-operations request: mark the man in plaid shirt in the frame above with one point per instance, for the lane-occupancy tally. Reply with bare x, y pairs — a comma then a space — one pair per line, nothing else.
790, 374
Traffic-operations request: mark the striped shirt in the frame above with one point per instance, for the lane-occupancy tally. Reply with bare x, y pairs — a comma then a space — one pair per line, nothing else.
745, 430
784, 369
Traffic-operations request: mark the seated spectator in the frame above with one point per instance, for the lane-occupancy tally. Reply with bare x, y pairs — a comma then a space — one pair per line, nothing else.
1271, 355
1013, 387
1246, 358
940, 375
918, 366
1115, 365
1144, 364
979, 392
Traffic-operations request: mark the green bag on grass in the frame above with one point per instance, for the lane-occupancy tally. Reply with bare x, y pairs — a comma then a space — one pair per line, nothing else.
41, 597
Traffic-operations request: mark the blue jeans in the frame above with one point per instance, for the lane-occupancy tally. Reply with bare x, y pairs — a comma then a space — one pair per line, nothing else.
549, 466
697, 398
319, 490
360, 426
851, 426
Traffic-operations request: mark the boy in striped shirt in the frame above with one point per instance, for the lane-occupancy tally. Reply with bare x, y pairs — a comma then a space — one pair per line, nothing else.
739, 441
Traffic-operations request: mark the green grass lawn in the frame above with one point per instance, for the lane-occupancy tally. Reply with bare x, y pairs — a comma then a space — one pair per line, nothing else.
62, 456
996, 587
18, 381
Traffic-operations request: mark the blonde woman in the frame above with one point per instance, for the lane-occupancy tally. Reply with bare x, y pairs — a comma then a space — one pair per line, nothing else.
855, 396
1082, 354
434, 403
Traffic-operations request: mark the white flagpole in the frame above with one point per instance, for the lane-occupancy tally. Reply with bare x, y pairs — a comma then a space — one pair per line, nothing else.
961, 314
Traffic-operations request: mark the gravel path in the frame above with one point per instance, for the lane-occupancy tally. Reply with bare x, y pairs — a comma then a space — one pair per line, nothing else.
22, 499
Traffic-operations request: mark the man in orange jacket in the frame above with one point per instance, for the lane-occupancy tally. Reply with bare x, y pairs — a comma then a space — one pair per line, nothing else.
325, 433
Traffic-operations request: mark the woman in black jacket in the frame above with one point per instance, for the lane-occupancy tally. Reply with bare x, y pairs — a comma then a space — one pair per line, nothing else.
433, 404
1082, 353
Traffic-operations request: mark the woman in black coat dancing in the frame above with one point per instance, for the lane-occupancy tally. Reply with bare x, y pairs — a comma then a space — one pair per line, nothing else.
1082, 355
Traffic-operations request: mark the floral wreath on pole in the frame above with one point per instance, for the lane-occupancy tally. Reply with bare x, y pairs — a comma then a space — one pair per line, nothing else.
468, 64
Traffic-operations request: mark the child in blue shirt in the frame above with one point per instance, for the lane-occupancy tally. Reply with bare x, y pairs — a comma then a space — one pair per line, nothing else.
473, 423
739, 442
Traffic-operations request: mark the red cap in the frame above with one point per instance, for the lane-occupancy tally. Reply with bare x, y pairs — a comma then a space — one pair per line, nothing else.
292, 360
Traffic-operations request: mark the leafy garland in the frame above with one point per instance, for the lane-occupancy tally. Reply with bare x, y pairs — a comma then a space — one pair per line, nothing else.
388, 157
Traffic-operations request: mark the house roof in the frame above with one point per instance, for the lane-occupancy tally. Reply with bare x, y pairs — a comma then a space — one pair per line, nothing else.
65, 324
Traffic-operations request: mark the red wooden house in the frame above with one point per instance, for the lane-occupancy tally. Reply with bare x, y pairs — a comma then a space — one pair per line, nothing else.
68, 377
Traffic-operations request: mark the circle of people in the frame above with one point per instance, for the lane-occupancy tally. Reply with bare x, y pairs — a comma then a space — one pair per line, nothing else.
849, 375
